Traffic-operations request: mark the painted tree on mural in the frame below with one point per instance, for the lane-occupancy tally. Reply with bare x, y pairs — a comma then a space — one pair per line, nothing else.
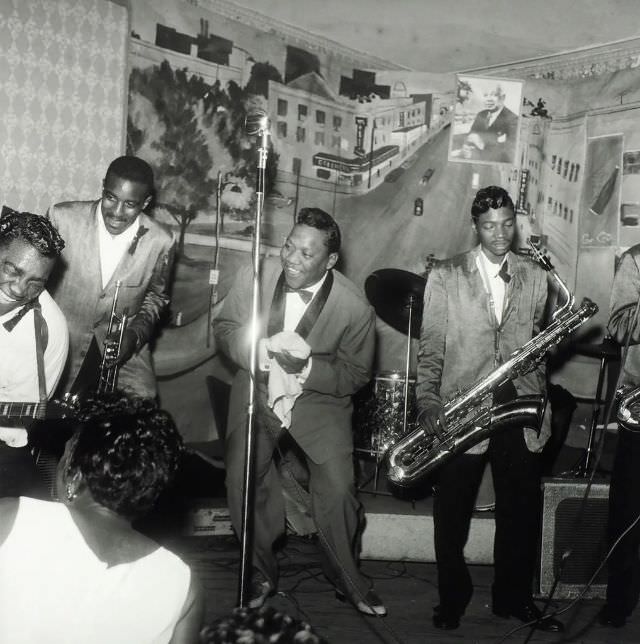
188, 130
177, 148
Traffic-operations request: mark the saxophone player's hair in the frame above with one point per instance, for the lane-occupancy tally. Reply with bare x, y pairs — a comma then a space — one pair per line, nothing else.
490, 197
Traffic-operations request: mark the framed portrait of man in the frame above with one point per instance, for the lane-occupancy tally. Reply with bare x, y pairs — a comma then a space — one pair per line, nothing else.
486, 120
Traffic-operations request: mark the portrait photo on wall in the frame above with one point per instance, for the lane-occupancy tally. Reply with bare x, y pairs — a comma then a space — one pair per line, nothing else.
486, 120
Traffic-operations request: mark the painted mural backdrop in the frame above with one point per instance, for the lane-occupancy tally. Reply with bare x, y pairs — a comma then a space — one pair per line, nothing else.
194, 136
629, 231
599, 221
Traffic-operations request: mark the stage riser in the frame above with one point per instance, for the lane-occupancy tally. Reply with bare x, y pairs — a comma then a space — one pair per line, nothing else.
392, 537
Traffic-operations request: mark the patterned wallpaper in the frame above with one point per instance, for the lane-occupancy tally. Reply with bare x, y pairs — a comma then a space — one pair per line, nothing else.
63, 70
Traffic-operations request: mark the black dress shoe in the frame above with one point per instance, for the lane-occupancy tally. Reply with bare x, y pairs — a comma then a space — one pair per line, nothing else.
529, 612
445, 620
607, 617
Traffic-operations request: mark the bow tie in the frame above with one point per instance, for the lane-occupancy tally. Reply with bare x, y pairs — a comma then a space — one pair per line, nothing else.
11, 323
503, 272
305, 295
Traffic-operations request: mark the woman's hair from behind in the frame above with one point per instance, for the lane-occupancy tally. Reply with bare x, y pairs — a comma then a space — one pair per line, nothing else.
258, 626
127, 451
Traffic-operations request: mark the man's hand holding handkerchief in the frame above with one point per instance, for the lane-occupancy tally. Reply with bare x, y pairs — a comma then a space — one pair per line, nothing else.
288, 359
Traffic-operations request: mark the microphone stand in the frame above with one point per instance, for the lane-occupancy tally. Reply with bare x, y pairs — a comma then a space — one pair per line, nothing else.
255, 124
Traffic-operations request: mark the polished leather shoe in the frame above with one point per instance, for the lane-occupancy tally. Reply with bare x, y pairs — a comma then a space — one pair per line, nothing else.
529, 612
607, 617
445, 620
370, 604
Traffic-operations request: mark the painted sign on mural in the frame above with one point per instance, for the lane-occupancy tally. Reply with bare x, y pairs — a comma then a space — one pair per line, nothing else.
486, 120
599, 221
629, 229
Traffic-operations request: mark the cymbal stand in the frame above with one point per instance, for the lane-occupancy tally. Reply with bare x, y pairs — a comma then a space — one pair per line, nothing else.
405, 405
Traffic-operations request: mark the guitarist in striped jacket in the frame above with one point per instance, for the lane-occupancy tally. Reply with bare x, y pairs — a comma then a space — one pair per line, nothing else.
34, 341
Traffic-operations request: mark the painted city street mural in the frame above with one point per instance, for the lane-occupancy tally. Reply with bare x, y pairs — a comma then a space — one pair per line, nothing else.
395, 156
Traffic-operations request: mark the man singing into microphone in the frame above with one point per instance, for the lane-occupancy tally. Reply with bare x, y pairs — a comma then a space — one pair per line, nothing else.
111, 240
316, 342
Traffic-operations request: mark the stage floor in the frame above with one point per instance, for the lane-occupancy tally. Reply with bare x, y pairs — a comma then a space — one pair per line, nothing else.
408, 590
406, 584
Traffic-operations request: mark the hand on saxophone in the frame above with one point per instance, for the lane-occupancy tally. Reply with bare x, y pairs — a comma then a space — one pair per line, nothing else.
432, 421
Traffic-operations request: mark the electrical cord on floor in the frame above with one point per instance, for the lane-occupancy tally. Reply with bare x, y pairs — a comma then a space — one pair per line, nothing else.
566, 555
328, 548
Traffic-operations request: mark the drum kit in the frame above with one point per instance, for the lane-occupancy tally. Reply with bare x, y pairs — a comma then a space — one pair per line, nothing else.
386, 410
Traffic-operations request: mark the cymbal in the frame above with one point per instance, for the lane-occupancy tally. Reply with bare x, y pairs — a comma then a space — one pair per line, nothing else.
394, 294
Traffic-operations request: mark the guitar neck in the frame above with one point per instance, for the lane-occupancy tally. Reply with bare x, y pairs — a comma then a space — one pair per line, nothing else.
18, 410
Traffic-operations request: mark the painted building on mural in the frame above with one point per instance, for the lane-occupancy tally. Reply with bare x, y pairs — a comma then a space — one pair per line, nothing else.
332, 125
325, 138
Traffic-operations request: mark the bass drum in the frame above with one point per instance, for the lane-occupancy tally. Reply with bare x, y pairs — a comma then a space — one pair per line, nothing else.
379, 413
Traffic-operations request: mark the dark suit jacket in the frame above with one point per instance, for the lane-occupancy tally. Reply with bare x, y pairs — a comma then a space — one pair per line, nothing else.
456, 346
499, 137
342, 342
77, 288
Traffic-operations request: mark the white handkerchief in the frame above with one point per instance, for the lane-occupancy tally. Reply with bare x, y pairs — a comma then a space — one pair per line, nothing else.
284, 388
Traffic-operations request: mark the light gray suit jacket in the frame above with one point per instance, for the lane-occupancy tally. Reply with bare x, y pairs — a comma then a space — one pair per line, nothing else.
456, 346
76, 286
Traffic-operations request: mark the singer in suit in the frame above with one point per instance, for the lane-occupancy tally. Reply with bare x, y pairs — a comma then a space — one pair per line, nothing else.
112, 240
480, 307
494, 130
304, 303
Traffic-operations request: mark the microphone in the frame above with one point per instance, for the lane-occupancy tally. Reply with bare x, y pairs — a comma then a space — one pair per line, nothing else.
256, 122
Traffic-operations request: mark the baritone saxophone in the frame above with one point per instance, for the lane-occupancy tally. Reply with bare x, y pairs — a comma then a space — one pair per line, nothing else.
628, 414
470, 415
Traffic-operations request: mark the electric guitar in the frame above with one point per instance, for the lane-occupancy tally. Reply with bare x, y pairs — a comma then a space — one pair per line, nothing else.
48, 409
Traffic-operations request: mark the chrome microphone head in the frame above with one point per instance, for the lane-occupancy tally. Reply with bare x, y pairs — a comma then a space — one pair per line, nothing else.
256, 122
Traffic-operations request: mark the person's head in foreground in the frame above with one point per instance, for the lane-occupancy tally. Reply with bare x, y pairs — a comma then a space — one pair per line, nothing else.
493, 218
259, 626
29, 247
124, 453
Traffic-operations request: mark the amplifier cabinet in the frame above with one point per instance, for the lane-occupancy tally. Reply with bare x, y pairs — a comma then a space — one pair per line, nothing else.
574, 537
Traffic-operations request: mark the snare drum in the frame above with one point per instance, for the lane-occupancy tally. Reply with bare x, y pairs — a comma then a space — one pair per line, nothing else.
379, 413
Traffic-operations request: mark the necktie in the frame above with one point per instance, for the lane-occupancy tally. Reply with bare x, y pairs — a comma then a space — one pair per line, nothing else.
503, 272
305, 295
11, 323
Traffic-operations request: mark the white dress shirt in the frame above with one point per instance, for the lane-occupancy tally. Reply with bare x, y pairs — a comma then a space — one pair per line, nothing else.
493, 283
113, 247
295, 307
19, 370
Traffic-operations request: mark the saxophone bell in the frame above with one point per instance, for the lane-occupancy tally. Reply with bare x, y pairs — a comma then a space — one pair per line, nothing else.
628, 414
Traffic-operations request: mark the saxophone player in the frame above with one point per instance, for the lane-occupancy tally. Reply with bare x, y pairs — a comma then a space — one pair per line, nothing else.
479, 307
623, 584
